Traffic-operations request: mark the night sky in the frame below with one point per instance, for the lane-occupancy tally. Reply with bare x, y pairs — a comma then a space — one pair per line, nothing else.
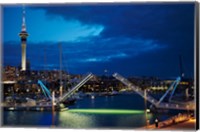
131, 39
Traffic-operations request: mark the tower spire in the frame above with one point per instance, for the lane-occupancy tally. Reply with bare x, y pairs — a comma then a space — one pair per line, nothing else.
23, 19
23, 35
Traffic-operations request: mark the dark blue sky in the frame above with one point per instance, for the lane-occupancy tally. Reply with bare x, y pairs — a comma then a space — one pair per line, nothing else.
132, 39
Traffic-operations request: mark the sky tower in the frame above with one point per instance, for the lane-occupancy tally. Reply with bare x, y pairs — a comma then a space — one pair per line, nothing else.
23, 35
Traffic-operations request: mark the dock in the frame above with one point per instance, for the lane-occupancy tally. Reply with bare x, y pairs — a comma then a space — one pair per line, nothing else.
178, 122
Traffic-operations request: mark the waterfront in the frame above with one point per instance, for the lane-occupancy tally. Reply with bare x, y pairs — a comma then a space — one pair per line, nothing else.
115, 66
75, 119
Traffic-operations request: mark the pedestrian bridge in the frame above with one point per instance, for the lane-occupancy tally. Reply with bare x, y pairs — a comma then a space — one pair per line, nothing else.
75, 88
158, 104
67, 94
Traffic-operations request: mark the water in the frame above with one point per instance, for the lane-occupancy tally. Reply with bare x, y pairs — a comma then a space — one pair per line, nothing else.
120, 111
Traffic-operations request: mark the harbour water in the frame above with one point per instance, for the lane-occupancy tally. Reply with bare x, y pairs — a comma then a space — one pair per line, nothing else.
125, 111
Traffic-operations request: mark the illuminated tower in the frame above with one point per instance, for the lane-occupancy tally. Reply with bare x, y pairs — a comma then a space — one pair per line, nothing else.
23, 35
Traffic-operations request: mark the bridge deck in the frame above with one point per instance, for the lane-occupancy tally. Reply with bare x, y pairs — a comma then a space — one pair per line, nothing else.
185, 106
75, 88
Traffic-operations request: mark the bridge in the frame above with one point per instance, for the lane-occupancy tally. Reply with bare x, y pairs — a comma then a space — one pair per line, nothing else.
45, 90
158, 104
75, 88
190, 105
67, 94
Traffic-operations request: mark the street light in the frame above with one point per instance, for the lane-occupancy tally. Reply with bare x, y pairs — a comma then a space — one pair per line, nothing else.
145, 104
156, 123
27, 90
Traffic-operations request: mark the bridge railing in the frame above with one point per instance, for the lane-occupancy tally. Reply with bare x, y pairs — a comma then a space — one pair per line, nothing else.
76, 87
45, 90
135, 88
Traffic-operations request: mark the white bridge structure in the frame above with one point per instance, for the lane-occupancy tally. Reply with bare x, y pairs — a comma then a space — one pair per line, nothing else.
158, 104
75, 88
67, 94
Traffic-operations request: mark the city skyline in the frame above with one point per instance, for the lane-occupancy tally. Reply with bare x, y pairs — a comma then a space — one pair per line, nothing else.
132, 39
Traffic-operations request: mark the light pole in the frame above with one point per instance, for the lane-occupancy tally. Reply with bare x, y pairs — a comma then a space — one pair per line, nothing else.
53, 107
145, 105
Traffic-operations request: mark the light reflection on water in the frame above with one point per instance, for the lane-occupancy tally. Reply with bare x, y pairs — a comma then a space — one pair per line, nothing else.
67, 119
11, 117
75, 120
84, 120
106, 111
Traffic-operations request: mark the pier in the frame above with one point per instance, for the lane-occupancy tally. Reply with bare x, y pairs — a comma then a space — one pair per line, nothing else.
177, 122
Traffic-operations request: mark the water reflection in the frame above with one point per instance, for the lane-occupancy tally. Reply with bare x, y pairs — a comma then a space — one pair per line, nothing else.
11, 117
107, 111
53, 119
88, 119
75, 120
26, 118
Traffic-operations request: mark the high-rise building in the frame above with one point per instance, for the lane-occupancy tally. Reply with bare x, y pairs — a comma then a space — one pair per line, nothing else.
23, 35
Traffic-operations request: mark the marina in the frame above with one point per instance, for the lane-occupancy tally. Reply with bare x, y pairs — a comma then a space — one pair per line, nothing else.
87, 111
108, 71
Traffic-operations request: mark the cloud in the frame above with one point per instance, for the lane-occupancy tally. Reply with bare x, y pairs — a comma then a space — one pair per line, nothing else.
104, 58
43, 28
95, 50
154, 20
62, 30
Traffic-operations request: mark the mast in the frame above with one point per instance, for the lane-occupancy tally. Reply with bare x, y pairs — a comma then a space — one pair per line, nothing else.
60, 73
45, 70
181, 66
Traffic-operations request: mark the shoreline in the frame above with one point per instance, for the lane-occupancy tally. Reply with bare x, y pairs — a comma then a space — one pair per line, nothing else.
171, 122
